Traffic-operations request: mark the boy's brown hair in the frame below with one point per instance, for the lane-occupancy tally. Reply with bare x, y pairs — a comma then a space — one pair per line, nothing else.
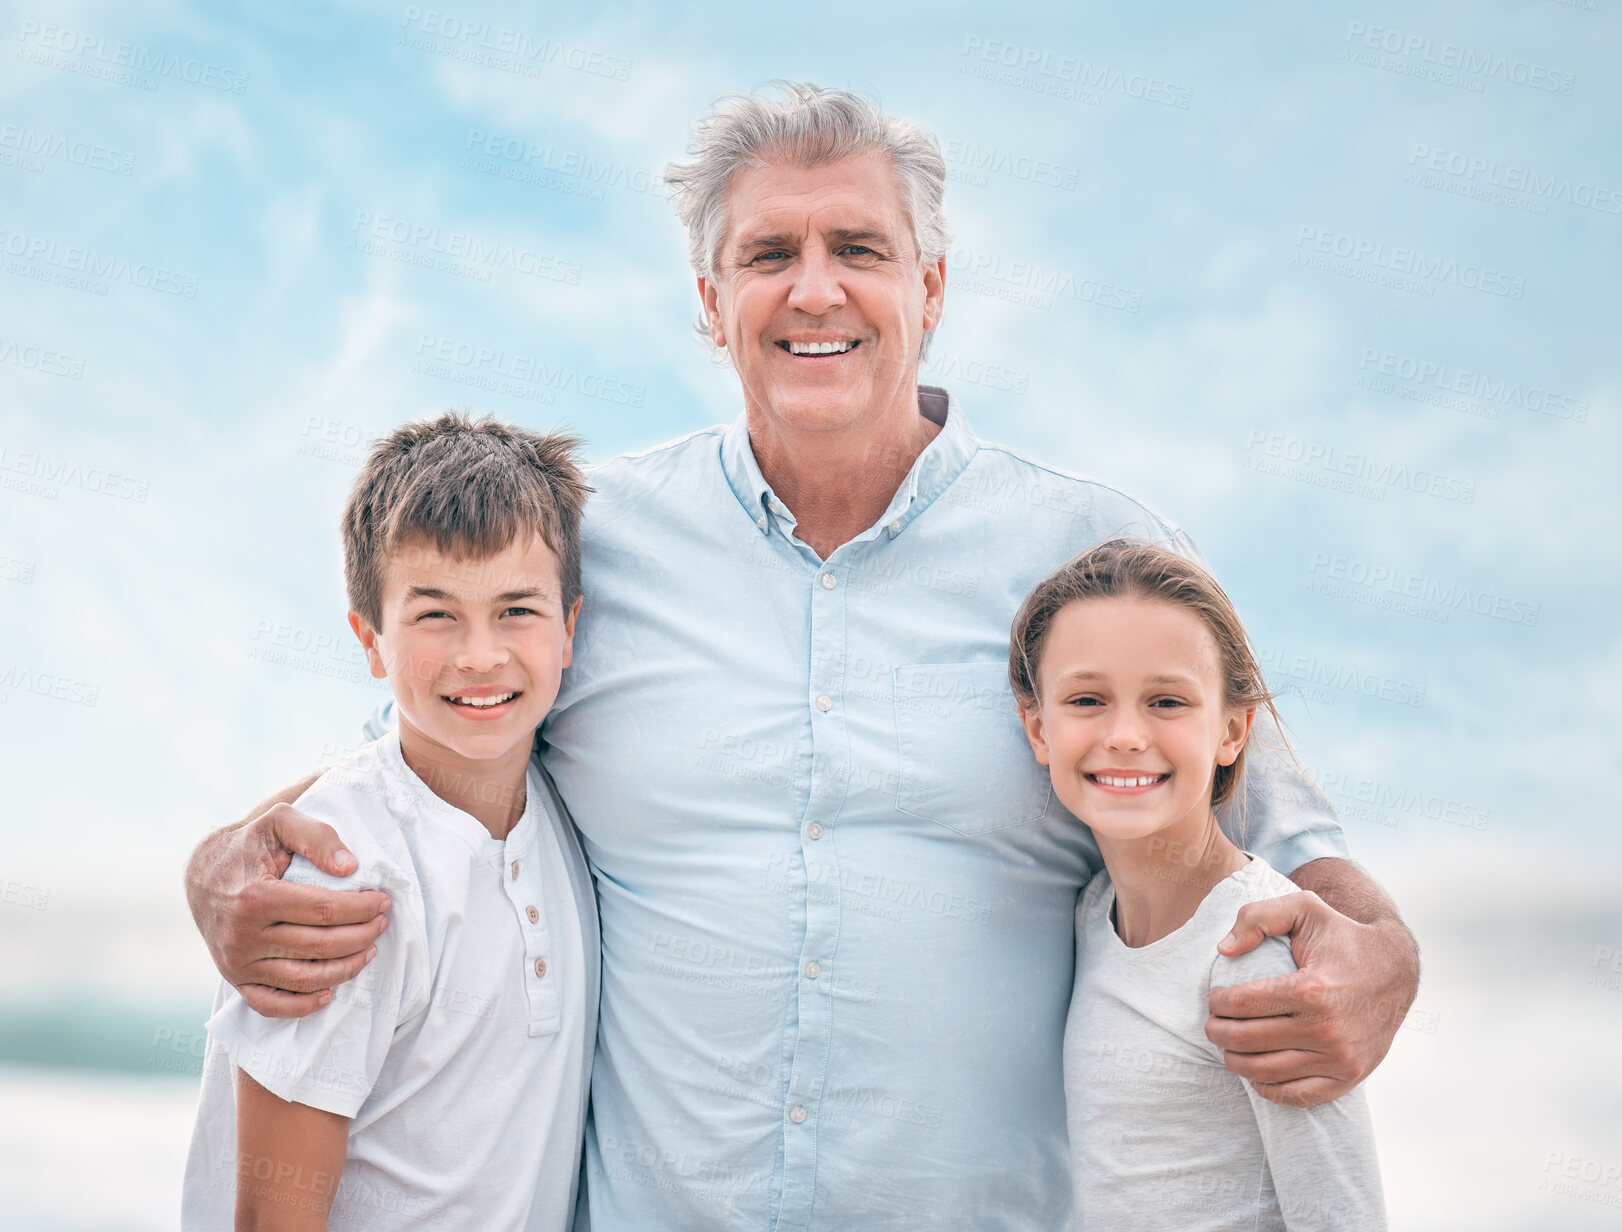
469, 487
1138, 569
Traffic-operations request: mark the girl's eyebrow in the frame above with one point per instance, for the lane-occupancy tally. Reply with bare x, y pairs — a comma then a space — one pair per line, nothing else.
1079, 674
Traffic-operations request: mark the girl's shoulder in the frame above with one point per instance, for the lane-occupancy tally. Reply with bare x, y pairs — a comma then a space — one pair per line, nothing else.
1254, 883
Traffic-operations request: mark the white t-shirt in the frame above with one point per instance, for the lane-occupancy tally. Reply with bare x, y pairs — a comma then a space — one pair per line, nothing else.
462, 1052
1162, 1135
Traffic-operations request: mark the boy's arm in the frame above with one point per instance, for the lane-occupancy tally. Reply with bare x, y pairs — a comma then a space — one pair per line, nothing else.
289, 1159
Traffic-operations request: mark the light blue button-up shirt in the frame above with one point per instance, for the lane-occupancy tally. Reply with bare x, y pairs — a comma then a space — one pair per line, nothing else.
836, 891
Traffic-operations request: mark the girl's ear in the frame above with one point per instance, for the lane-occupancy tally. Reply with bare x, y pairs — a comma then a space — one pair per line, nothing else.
1235, 735
1031, 720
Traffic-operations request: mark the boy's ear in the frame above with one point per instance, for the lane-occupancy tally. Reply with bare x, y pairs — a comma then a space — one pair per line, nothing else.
1234, 735
368, 643
1031, 720
568, 631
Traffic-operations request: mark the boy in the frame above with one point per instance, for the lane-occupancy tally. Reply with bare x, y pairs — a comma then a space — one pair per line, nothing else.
447, 1085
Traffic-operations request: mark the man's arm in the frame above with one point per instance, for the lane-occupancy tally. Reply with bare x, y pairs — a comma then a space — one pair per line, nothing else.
1307, 1038
283, 946
289, 1159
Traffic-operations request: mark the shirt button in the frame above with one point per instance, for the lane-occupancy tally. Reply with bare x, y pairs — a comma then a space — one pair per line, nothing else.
534, 915
895, 527
814, 829
540, 967
812, 970
824, 704
796, 1114
515, 870
761, 521
829, 581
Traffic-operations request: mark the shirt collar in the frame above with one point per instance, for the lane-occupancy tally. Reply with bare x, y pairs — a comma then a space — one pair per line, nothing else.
933, 471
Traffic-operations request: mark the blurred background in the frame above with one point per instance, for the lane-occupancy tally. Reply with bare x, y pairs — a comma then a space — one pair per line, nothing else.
1334, 287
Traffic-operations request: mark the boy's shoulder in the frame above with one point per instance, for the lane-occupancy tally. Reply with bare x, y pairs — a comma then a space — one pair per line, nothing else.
371, 804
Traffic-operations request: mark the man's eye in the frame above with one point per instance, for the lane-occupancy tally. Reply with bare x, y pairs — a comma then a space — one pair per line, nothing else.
858, 250
520, 611
773, 254
434, 615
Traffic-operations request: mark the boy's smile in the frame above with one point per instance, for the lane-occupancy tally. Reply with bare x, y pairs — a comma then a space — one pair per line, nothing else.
474, 651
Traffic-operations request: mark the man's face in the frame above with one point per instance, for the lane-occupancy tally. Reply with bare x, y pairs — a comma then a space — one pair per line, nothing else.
473, 649
816, 256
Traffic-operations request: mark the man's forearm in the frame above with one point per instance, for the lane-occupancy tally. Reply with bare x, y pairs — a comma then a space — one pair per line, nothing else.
205, 854
1349, 890
1353, 893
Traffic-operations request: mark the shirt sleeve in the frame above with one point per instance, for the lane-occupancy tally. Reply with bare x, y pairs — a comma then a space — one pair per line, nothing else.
1322, 1160
1279, 814
382, 721
331, 1059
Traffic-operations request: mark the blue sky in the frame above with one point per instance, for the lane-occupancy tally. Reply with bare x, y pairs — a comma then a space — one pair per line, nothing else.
1332, 287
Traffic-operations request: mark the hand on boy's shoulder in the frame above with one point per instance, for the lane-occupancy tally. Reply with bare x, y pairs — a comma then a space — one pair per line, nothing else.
368, 829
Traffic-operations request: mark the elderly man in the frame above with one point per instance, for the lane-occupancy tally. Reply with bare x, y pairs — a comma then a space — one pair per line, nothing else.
836, 891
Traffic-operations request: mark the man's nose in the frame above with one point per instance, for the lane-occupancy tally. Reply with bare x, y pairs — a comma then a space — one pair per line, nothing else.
816, 288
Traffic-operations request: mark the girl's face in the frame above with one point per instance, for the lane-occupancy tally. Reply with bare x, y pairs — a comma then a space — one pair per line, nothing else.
1131, 721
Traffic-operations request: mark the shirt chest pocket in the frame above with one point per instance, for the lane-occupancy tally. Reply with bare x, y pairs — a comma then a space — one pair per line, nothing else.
962, 758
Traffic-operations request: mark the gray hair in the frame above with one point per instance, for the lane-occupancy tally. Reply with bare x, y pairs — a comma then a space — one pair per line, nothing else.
807, 127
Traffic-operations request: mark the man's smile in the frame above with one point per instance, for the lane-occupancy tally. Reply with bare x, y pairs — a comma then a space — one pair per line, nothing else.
830, 346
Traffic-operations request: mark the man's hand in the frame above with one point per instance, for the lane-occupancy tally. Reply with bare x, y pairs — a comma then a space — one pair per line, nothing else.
284, 946
1308, 1038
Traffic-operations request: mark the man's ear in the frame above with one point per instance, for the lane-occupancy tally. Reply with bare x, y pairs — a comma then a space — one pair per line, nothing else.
368, 643
710, 297
1234, 735
1031, 720
934, 293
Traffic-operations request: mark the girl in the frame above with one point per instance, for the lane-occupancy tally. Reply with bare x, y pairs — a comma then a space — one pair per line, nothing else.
1138, 689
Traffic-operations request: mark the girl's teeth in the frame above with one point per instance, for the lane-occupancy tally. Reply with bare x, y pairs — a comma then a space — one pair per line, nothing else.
1140, 781
482, 702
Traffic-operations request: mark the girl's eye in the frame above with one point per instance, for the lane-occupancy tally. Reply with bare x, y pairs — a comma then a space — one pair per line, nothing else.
1086, 701
1167, 703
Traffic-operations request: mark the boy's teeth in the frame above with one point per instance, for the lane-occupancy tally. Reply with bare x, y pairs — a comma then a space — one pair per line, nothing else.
819, 348
484, 701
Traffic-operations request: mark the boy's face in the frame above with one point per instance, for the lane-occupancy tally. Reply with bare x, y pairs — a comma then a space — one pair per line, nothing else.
1131, 721
473, 649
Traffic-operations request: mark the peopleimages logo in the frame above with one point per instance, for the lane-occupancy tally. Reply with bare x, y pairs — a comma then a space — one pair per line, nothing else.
1514, 178
1332, 574
1422, 48
1413, 263
1446, 378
